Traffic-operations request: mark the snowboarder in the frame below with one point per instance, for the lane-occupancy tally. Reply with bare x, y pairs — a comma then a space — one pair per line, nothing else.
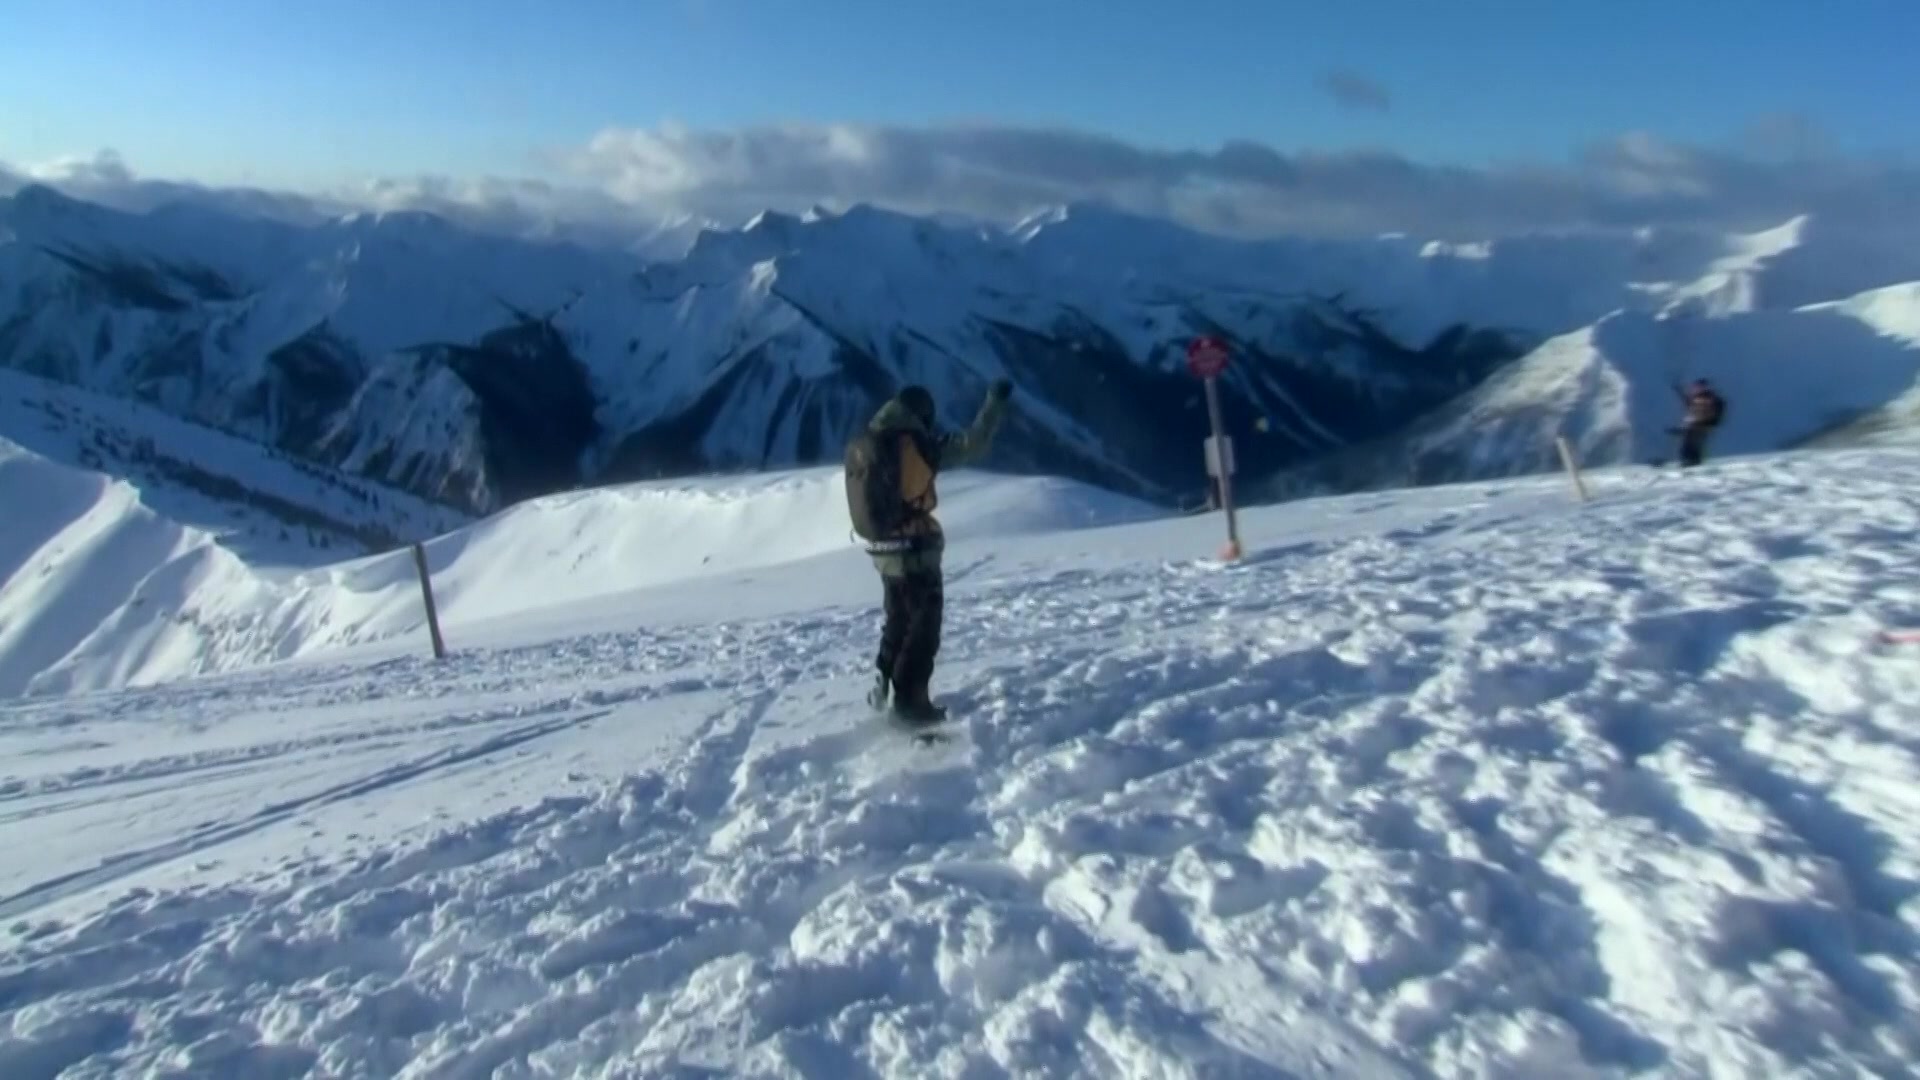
1705, 407
891, 466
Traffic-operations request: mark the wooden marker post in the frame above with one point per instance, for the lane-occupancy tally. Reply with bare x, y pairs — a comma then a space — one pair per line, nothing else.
1207, 358
1573, 468
426, 596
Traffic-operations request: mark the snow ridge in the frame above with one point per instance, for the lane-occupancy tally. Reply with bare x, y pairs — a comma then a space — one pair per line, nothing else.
109, 592
269, 508
1833, 373
1637, 800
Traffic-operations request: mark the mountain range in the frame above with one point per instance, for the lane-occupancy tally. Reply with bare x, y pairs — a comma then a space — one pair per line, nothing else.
476, 370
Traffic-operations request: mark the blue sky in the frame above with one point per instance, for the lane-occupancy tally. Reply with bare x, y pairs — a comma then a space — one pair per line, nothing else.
309, 95
305, 92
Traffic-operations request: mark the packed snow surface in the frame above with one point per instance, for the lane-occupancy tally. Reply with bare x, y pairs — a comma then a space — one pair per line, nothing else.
1470, 781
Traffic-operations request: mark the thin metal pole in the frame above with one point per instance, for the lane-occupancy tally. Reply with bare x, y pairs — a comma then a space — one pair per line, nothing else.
426, 596
1223, 459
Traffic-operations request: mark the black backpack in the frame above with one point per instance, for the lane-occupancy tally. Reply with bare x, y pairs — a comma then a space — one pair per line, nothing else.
873, 485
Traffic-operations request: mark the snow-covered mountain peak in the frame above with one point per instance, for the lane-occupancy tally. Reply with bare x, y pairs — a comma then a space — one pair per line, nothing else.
46, 202
1090, 234
671, 238
1027, 226
43, 215
1893, 311
398, 218
426, 232
1766, 243
1442, 249
1094, 216
863, 244
774, 223
873, 239
1803, 260
764, 236
445, 359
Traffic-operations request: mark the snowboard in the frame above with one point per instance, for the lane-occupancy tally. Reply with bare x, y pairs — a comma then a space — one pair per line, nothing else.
920, 732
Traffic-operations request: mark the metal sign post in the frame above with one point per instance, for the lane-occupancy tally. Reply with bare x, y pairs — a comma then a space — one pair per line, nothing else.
426, 597
1207, 358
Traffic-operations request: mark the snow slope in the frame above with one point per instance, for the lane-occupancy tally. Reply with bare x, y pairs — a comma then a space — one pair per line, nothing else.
1791, 377
268, 507
1470, 781
1787, 374
1897, 423
97, 587
103, 589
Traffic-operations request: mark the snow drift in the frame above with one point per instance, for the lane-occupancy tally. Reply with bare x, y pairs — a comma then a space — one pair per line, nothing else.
1463, 782
104, 591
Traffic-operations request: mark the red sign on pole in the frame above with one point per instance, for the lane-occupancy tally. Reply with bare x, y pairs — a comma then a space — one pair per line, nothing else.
1206, 356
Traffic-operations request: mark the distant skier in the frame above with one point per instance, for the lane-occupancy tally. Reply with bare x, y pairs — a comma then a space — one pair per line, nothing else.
891, 467
1705, 408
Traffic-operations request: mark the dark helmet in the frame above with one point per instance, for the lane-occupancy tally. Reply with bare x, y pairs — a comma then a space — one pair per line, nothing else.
919, 401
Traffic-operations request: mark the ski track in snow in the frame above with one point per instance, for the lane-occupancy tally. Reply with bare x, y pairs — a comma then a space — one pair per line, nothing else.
1599, 791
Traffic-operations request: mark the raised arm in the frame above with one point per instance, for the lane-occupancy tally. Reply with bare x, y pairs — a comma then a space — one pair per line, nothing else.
961, 448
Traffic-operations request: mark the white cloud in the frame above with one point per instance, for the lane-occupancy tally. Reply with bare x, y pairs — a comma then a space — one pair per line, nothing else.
1000, 172
519, 207
106, 179
625, 180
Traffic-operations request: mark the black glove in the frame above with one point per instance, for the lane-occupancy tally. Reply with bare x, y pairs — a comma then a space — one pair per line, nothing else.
1002, 389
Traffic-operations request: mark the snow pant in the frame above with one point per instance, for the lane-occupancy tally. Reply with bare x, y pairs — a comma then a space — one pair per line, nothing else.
910, 638
1693, 445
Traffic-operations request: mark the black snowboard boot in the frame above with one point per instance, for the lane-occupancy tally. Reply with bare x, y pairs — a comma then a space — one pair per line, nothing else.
914, 706
882, 691
924, 713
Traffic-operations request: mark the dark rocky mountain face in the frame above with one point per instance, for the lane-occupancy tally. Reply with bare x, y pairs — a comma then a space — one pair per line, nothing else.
536, 408
1131, 426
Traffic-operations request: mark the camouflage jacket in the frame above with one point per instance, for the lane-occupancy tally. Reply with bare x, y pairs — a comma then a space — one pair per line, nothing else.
924, 454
